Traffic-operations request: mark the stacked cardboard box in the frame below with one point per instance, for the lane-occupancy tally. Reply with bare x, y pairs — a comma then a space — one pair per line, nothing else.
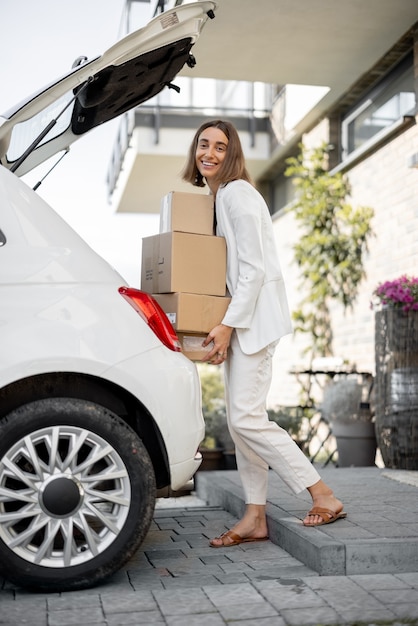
184, 268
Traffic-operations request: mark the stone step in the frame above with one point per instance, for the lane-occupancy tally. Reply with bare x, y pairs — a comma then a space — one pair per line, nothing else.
380, 534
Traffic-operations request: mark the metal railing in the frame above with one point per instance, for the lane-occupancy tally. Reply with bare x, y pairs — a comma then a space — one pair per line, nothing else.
160, 116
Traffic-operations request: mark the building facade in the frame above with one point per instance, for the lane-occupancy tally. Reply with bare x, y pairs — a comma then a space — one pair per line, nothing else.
375, 137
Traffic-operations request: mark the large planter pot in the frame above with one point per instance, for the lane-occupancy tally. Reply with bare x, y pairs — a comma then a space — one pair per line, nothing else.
396, 396
346, 406
356, 443
397, 331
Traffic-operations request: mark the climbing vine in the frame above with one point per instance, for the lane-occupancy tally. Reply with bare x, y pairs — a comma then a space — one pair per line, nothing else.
330, 252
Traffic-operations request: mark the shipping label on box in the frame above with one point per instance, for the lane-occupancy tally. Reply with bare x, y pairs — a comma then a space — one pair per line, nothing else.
190, 312
187, 212
191, 345
149, 264
175, 261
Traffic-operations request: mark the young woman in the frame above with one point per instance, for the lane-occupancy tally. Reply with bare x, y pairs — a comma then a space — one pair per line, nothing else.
245, 340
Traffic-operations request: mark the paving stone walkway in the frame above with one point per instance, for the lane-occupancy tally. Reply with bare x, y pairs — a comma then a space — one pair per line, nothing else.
176, 579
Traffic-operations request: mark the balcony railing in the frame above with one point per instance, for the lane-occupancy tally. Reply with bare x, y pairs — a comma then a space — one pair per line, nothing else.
165, 115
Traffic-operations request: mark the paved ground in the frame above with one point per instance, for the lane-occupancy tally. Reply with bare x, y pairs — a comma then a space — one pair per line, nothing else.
379, 536
177, 579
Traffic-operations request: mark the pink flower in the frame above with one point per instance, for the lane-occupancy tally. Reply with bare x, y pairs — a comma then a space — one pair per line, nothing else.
401, 293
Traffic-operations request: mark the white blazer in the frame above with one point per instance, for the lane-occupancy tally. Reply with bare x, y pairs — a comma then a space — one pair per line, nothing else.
259, 309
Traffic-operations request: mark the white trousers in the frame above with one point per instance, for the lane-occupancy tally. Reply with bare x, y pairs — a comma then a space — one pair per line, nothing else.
260, 443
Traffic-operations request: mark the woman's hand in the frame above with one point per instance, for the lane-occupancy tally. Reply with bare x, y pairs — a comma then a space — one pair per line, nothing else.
221, 337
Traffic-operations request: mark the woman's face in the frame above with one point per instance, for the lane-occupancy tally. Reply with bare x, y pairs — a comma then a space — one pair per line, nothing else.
210, 153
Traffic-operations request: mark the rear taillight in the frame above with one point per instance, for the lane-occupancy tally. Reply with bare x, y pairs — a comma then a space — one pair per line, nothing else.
152, 313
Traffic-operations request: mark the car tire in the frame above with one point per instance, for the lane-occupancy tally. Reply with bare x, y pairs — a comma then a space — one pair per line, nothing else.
77, 494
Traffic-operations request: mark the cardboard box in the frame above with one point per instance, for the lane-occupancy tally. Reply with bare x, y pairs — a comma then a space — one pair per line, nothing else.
191, 345
187, 213
190, 312
184, 262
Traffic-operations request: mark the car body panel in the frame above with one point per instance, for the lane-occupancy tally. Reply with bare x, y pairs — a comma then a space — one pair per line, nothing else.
60, 311
40, 247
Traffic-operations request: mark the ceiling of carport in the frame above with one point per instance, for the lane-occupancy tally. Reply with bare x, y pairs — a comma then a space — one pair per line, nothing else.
329, 43
308, 42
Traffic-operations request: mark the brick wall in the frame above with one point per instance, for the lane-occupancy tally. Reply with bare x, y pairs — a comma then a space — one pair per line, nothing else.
386, 183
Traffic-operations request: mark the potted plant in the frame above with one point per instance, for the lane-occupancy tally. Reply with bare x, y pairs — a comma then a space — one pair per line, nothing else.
396, 355
221, 432
331, 246
211, 447
397, 301
346, 406
294, 419
213, 408
401, 294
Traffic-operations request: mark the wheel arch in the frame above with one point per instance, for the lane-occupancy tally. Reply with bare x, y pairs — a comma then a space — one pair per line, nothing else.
102, 392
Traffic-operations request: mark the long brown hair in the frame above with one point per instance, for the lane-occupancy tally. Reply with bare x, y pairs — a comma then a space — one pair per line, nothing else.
233, 166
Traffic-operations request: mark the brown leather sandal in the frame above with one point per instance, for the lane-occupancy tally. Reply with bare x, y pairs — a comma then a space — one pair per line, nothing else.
328, 516
235, 540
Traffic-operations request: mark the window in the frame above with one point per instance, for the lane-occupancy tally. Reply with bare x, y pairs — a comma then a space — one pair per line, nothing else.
385, 105
24, 133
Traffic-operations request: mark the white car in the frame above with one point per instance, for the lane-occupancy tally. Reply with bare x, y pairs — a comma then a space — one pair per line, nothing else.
98, 407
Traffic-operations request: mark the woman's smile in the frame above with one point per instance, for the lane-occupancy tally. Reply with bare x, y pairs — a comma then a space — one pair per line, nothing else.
210, 153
